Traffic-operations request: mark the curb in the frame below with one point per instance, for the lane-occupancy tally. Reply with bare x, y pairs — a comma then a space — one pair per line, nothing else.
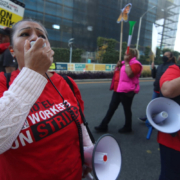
95, 80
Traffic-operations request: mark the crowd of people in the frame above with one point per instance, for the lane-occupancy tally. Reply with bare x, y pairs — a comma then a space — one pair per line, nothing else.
42, 132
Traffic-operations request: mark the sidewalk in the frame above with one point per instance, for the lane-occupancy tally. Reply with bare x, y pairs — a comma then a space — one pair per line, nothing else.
95, 80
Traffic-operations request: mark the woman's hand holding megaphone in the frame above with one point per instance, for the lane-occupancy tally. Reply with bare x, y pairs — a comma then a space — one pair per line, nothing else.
38, 57
87, 168
86, 173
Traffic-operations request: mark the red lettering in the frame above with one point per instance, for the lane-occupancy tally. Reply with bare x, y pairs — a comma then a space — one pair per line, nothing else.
49, 122
60, 122
43, 131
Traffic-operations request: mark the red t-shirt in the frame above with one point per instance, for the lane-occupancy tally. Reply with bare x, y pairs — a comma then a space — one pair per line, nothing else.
165, 139
136, 68
47, 147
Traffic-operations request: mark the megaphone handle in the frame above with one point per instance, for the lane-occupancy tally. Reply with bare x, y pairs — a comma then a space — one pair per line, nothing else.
89, 176
149, 132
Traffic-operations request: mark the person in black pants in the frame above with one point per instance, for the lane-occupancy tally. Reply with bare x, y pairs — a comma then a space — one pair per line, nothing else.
168, 60
126, 100
125, 84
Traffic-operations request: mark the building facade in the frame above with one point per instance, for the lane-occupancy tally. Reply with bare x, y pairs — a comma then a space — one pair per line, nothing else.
86, 20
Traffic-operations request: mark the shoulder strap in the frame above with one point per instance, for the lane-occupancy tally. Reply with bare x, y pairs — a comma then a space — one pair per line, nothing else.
69, 83
8, 76
81, 113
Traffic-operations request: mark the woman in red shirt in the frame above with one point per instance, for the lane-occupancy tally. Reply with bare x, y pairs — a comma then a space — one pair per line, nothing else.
170, 143
39, 126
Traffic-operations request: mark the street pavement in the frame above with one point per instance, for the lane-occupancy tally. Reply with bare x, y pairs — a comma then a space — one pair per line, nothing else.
140, 157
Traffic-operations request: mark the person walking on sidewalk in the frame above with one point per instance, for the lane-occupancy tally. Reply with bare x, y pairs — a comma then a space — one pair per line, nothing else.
125, 84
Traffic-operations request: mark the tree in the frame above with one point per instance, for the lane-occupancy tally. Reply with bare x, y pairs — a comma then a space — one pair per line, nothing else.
176, 54
165, 50
124, 47
111, 57
101, 52
62, 55
142, 59
101, 41
147, 53
106, 50
76, 55
158, 56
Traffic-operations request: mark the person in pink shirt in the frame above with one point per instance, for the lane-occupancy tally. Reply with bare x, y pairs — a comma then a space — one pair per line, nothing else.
125, 84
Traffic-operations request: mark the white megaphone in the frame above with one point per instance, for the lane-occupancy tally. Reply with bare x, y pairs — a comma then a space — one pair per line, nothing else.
104, 158
164, 115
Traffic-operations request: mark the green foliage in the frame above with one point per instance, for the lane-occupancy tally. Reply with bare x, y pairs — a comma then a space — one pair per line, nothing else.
165, 50
76, 55
101, 41
124, 47
101, 52
147, 53
145, 59
142, 59
158, 59
62, 55
176, 54
146, 73
110, 42
106, 50
111, 57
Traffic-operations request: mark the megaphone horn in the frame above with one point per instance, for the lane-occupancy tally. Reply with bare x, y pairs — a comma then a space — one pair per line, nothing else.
164, 115
104, 158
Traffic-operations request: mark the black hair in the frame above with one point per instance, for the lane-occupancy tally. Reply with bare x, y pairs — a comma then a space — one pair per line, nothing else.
25, 20
173, 58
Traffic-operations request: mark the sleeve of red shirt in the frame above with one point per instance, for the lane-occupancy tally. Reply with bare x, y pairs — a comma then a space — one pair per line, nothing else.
171, 73
136, 69
3, 86
78, 94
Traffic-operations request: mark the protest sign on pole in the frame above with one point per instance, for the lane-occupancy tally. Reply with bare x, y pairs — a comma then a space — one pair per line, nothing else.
123, 17
131, 28
11, 11
154, 41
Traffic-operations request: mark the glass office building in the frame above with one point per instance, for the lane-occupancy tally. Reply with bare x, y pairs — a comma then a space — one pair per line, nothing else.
86, 20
